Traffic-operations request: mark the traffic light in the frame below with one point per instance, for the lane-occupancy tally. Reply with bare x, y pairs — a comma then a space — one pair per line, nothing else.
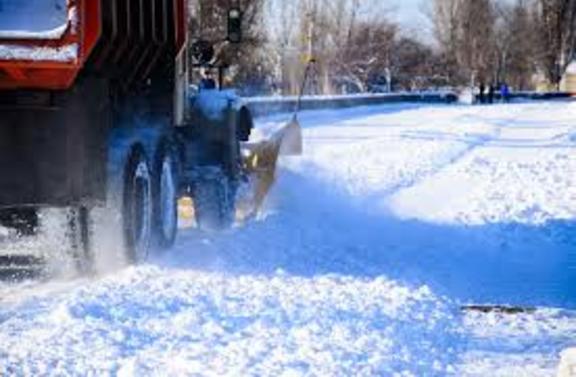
234, 25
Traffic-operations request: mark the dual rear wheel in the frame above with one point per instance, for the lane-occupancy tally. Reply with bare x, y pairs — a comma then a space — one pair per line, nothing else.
142, 210
149, 204
140, 214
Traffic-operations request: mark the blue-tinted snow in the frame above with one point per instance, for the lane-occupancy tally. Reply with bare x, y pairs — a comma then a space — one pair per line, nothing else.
392, 219
44, 19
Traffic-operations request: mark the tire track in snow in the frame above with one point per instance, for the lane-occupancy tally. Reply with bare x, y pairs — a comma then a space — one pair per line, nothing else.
448, 135
450, 159
312, 289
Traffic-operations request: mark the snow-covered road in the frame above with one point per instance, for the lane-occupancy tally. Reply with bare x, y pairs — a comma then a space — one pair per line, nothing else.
372, 242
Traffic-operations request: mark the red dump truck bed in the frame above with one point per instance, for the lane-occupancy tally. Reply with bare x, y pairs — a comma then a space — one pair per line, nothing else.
44, 44
96, 121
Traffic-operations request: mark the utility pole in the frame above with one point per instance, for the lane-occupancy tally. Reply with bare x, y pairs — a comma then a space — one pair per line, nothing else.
316, 74
310, 47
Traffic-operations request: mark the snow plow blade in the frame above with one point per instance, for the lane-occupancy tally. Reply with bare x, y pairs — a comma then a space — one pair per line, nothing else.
261, 161
259, 164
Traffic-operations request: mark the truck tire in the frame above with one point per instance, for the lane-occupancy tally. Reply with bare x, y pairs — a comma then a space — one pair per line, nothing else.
165, 217
120, 232
214, 201
137, 207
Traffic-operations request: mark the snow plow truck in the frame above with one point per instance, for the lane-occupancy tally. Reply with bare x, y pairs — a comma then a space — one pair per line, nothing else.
100, 135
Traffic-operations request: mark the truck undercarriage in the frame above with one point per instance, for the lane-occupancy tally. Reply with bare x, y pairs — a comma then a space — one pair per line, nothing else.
104, 141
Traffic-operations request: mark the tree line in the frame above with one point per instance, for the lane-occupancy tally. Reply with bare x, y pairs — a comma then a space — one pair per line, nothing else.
356, 46
493, 41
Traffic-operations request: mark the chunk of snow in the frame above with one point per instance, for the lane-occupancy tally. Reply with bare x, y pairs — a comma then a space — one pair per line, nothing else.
37, 53
33, 19
466, 97
567, 366
571, 69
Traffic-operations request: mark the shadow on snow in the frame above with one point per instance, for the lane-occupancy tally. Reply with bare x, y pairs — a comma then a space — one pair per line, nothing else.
317, 231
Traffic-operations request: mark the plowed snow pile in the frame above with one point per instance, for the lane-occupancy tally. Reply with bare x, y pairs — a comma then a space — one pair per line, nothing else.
394, 218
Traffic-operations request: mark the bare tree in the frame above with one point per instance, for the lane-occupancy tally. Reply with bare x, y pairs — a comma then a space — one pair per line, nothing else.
368, 56
415, 66
465, 32
282, 22
517, 45
445, 16
475, 47
352, 41
356, 45
557, 30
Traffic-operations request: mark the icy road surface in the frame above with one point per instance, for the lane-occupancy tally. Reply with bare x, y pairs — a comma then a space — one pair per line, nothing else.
372, 242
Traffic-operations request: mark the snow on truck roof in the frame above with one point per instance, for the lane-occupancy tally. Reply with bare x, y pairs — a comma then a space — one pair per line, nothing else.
33, 19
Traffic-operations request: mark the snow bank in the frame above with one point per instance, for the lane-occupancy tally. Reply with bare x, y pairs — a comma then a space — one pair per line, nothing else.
418, 141
467, 96
571, 69
502, 179
174, 322
504, 345
328, 97
371, 242
567, 366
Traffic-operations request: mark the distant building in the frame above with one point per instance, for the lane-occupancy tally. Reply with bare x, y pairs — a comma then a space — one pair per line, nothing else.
568, 83
541, 83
